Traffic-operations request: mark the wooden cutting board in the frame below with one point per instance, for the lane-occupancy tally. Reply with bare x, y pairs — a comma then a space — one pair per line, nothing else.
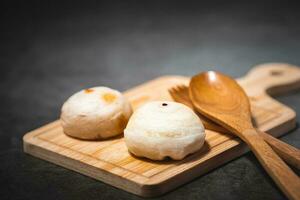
110, 162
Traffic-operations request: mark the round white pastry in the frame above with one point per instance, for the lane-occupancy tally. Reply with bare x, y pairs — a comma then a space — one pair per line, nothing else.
162, 129
95, 113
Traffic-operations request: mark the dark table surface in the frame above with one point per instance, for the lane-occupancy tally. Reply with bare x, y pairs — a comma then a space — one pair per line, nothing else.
50, 50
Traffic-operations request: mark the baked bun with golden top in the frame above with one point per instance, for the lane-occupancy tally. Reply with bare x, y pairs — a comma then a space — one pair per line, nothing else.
95, 113
162, 129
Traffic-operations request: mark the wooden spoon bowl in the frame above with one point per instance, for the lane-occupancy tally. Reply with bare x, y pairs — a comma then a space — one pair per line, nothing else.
221, 98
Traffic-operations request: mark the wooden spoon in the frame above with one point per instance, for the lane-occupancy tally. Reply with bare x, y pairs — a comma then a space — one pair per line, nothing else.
222, 100
288, 153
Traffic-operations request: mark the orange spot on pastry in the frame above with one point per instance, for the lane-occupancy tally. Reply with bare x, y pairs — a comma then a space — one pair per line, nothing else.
88, 90
108, 97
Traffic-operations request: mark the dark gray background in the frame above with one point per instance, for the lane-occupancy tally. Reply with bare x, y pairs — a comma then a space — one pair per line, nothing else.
50, 50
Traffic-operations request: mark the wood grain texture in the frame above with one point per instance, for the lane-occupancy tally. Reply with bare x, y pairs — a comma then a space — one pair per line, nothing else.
110, 162
221, 99
282, 175
289, 153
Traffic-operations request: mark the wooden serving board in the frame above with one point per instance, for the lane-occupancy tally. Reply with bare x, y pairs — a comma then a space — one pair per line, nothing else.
110, 162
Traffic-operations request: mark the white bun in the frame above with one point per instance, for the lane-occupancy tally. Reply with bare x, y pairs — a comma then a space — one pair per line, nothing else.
95, 113
162, 129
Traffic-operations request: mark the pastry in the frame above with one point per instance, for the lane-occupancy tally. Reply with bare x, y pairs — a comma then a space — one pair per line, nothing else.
95, 113
163, 129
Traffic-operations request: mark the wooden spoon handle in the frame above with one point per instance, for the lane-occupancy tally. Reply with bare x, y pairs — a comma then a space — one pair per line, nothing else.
283, 176
288, 153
